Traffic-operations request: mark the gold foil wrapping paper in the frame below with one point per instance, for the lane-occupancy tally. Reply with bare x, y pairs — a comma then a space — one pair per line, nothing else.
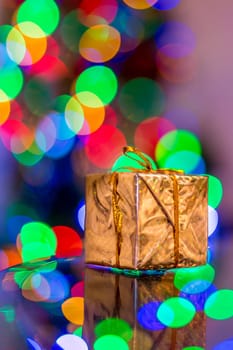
146, 220
117, 296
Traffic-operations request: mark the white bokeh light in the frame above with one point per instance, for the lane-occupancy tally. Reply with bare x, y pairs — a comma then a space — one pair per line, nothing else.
71, 342
212, 220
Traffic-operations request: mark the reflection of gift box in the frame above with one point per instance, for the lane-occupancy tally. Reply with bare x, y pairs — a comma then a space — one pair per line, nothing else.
135, 301
146, 220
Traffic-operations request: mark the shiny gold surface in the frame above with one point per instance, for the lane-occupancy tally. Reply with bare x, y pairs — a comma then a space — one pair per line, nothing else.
164, 219
118, 296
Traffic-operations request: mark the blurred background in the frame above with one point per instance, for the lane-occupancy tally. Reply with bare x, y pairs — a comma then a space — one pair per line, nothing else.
81, 79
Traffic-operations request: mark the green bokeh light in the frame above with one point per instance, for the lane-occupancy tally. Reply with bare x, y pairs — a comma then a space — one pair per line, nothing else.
22, 273
36, 250
112, 342
215, 191
193, 348
11, 80
78, 331
184, 278
184, 160
176, 141
4, 31
114, 326
176, 312
99, 80
21, 276
37, 96
72, 30
141, 98
124, 163
31, 156
219, 305
38, 241
60, 102
44, 13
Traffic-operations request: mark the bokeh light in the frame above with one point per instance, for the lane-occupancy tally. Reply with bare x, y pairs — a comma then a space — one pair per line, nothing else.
224, 345
176, 141
9, 256
80, 214
195, 279
73, 310
61, 148
71, 341
68, 242
113, 342
33, 344
198, 299
219, 305
16, 136
132, 100
78, 331
50, 287
93, 110
114, 326
44, 14
31, 156
45, 135
131, 28
166, 4
99, 80
212, 220
37, 96
176, 312
132, 162
26, 43
140, 4
104, 146
78, 289
74, 114
147, 316
5, 107
149, 132
63, 131
71, 30
189, 162
100, 43
38, 241
215, 191
97, 12
11, 80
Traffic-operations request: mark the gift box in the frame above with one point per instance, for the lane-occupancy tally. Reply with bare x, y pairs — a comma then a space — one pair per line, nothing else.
126, 307
152, 219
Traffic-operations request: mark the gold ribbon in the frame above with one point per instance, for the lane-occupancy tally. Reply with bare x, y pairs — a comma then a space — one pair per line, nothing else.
176, 229
145, 163
117, 214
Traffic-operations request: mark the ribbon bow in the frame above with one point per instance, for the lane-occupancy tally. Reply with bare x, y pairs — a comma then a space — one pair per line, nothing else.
147, 168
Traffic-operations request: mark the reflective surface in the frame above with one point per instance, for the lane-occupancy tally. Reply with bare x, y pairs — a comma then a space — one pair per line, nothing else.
63, 304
